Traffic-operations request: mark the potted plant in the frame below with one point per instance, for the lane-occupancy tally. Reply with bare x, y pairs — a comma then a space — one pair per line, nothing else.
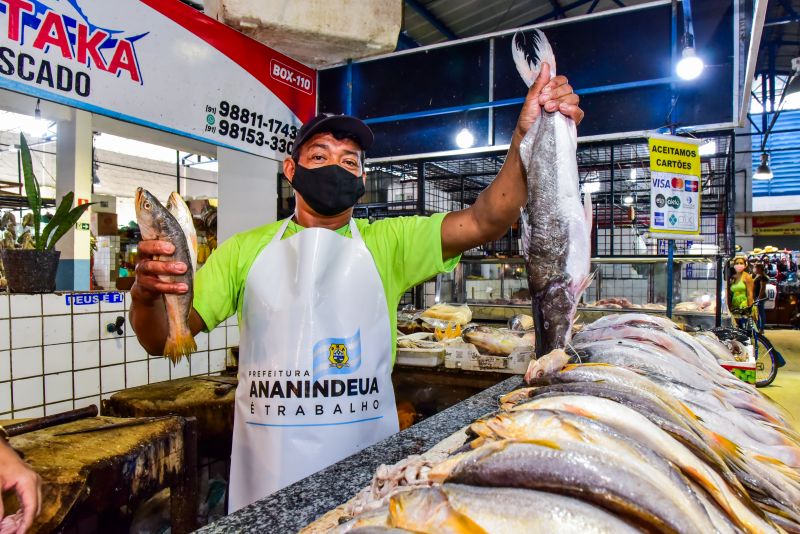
32, 269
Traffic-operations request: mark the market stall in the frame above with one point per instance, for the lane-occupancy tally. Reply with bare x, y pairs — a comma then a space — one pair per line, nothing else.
313, 322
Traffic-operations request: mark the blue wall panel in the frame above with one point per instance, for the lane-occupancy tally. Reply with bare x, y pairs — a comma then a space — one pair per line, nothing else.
785, 158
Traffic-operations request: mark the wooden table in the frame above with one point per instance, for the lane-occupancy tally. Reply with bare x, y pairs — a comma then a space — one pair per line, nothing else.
88, 473
209, 399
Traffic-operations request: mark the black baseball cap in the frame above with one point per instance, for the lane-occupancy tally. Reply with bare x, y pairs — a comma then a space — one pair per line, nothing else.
326, 122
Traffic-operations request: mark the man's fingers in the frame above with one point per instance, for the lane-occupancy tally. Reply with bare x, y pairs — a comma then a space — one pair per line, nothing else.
155, 247
560, 92
155, 284
155, 267
28, 492
573, 112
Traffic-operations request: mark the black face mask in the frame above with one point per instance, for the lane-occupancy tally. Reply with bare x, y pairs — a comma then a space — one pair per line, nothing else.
328, 190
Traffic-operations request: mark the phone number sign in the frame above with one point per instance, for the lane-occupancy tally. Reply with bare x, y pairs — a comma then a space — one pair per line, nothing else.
160, 64
675, 185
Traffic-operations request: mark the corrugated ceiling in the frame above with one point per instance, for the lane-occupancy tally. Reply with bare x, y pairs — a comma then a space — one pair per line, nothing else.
467, 18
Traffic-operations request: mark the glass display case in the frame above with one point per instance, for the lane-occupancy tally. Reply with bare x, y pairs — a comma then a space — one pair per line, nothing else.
497, 288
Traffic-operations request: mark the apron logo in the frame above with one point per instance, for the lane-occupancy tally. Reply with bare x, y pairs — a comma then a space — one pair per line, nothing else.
338, 355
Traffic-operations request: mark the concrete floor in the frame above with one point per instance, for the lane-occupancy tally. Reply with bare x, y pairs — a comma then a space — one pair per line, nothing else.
786, 388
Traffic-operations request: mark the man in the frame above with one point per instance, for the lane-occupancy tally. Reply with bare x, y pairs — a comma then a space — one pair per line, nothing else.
317, 297
16, 475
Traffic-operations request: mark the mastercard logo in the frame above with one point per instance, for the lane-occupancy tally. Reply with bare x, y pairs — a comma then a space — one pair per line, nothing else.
677, 183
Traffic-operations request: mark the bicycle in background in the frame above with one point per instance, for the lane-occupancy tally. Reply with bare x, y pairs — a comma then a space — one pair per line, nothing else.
768, 359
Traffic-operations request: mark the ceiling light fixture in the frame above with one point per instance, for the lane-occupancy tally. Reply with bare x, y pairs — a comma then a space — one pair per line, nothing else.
465, 139
763, 172
690, 66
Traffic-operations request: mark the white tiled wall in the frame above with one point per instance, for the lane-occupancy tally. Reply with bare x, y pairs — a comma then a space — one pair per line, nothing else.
56, 356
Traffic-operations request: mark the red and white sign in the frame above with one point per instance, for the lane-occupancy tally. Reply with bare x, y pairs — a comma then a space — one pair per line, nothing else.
158, 63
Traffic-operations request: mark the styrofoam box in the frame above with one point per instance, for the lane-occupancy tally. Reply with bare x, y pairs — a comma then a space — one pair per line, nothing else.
420, 357
466, 356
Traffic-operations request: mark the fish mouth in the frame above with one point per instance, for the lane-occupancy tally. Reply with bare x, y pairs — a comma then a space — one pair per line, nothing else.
138, 196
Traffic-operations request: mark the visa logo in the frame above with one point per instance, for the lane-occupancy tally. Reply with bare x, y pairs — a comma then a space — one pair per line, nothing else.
662, 182
692, 186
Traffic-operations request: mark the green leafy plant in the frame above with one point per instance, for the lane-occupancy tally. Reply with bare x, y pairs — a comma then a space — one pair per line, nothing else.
65, 217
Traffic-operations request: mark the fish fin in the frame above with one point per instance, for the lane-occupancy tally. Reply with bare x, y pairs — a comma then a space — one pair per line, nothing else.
767, 459
179, 344
530, 49
689, 411
723, 446
541, 442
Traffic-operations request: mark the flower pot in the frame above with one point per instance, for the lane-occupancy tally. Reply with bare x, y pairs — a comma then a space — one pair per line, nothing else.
30, 271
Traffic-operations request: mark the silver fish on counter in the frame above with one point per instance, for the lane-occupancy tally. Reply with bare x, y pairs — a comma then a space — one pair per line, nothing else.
556, 227
157, 222
490, 340
461, 509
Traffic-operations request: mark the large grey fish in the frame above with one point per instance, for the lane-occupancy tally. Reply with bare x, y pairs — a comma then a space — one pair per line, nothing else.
451, 507
573, 468
156, 222
556, 228
635, 425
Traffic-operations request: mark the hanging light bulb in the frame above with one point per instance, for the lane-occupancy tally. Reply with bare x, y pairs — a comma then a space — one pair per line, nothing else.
465, 139
763, 172
690, 66
628, 200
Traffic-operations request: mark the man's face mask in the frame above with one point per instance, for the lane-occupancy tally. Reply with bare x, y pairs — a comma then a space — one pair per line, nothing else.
328, 190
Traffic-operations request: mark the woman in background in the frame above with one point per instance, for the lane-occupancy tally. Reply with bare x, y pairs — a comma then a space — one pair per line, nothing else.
760, 292
740, 290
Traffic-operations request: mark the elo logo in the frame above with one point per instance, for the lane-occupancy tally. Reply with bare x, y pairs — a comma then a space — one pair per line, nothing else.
677, 183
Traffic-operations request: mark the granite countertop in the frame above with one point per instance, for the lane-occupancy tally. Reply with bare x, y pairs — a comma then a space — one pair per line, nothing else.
297, 505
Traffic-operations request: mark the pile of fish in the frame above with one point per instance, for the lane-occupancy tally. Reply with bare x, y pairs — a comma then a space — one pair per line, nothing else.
647, 434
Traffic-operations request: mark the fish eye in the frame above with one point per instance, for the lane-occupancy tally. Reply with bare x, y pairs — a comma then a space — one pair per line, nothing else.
146, 205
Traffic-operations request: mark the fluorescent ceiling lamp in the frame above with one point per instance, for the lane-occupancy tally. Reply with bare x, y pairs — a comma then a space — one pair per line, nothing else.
464, 139
709, 148
592, 183
633, 174
763, 172
690, 66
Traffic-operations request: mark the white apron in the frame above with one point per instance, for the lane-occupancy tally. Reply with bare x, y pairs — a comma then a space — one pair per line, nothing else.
314, 362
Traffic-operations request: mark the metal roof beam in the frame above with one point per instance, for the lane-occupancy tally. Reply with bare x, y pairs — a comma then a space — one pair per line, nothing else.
783, 20
423, 12
591, 7
554, 13
405, 42
557, 7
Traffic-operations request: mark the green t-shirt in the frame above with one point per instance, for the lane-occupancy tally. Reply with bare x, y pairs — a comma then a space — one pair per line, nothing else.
407, 251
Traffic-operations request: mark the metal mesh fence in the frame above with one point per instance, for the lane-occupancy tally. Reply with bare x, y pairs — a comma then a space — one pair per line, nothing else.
617, 173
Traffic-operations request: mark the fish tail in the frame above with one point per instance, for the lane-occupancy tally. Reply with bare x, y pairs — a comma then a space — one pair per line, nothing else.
530, 49
179, 343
